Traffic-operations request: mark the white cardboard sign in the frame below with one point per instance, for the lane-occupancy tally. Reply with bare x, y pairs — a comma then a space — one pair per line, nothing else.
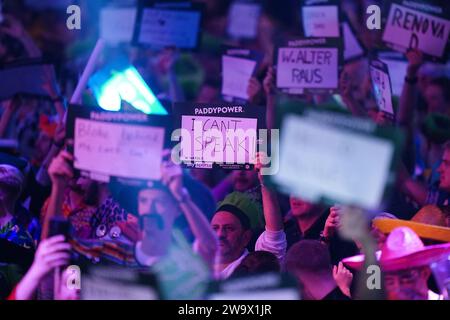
320, 21
114, 32
236, 74
243, 20
307, 67
318, 161
117, 149
163, 27
407, 28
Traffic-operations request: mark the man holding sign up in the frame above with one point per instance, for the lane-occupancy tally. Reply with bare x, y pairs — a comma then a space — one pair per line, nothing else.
308, 64
418, 25
222, 135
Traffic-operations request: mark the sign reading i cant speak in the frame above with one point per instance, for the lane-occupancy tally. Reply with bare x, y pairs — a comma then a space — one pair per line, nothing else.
224, 135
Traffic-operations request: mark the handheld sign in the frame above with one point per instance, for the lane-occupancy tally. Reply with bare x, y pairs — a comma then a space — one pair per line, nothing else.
309, 65
261, 286
172, 24
422, 25
117, 283
321, 18
115, 145
238, 66
243, 19
26, 78
381, 84
397, 66
334, 158
113, 32
353, 47
223, 135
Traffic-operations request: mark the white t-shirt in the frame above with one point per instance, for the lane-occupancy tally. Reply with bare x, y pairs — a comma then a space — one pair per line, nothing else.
434, 296
272, 241
228, 271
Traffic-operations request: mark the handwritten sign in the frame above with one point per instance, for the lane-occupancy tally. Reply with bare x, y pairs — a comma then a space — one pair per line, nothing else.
419, 26
262, 286
223, 135
304, 65
244, 19
236, 74
119, 145
381, 84
114, 283
113, 32
334, 158
320, 20
166, 26
122, 150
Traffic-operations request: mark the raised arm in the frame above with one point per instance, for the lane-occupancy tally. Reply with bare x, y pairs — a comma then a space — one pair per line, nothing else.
60, 171
199, 224
51, 86
355, 227
271, 208
408, 97
42, 176
15, 29
269, 89
412, 188
273, 239
52, 253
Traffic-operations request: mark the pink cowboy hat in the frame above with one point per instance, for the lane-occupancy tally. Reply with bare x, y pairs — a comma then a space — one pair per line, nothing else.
403, 249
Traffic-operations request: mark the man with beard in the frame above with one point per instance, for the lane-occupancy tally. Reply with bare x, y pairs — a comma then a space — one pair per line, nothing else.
236, 218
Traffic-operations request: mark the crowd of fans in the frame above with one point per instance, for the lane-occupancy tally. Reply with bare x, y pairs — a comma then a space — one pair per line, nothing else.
236, 224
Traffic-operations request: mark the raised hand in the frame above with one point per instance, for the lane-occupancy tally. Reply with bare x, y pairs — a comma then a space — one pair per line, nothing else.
415, 60
254, 89
60, 169
172, 175
51, 253
269, 81
343, 278
332, 222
